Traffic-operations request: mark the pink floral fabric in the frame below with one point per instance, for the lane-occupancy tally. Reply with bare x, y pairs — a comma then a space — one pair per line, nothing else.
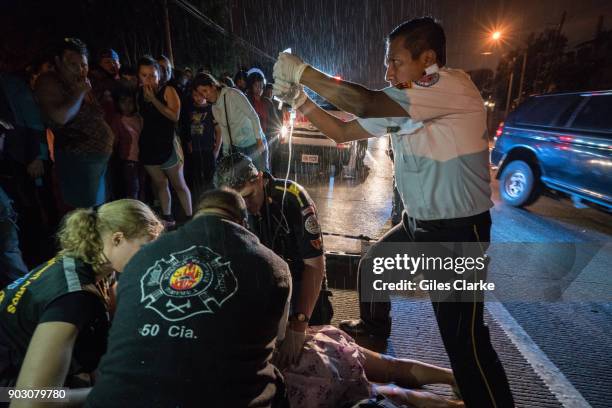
330, 371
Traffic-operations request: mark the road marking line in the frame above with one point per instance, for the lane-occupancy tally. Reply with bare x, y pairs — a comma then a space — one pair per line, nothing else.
554, 379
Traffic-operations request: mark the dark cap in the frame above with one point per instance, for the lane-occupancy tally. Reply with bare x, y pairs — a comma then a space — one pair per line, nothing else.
108, 53
234, 171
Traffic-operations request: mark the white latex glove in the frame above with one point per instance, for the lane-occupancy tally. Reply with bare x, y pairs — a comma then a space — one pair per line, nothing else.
289, 351
291, 94
289, 67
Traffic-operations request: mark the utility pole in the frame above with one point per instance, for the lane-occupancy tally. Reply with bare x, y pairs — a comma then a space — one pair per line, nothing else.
509, 96
520, 91
230, 14
555, 51
167, 29
561, 23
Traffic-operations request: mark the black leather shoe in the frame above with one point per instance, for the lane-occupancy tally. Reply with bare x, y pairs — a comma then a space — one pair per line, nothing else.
358, 327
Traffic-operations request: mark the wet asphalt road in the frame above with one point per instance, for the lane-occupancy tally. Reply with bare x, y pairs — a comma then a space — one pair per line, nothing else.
575, 335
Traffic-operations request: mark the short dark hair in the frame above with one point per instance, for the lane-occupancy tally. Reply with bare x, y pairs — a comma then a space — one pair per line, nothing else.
147, 61
254, 77
422, 34
122, 92
227, 81
70, 44
224, 199
240, 75
205, 79
234, 171
162, 57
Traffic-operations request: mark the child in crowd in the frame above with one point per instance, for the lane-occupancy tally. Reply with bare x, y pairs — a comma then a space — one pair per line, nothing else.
202, 139
127, 125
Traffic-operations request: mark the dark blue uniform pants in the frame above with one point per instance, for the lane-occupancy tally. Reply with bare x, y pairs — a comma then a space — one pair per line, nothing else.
478, 371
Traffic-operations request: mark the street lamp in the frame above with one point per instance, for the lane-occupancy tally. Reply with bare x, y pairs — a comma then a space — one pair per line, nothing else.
496, 36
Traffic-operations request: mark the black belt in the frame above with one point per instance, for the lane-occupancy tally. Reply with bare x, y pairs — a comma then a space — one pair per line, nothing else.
484, 217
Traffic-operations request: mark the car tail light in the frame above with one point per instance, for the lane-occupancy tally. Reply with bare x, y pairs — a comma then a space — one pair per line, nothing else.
498, 133
500, 130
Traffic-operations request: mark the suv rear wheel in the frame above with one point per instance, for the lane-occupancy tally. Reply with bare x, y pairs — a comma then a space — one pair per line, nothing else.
518, 184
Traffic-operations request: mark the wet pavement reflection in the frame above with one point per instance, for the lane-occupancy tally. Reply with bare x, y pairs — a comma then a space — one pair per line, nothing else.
352, 203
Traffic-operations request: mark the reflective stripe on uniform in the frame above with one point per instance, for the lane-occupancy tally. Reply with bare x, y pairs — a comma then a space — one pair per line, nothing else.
72, 279
293, 189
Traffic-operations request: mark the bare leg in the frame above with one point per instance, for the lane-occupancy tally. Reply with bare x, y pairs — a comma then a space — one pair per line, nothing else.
419, 399
403, 372
161, 187
177, 179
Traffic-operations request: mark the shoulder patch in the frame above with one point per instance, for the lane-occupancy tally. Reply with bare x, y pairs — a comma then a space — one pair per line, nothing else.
187, 283
311, 224
428, 80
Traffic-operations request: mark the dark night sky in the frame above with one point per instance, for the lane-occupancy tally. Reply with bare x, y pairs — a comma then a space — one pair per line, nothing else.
341, 37
347, 37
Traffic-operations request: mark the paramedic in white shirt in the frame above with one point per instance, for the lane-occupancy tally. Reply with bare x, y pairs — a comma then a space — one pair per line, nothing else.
437, 122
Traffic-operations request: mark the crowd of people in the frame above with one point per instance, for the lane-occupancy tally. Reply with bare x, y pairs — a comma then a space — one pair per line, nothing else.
110, 132
229, 307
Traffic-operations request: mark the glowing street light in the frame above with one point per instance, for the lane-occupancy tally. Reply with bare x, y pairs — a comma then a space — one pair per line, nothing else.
496, 35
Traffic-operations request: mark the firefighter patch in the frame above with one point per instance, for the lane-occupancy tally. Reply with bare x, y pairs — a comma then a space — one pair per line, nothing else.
312, 225
428, 80
187, 283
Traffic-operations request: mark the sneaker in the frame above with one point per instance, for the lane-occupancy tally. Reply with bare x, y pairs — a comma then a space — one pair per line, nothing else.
358, 327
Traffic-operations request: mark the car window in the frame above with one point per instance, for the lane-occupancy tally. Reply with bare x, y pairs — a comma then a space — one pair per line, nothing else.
568, 112
547, 110
595, 115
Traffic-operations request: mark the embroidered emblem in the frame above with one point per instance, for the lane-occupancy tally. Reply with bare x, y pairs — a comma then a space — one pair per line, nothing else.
312, 225
187, 283
428, 80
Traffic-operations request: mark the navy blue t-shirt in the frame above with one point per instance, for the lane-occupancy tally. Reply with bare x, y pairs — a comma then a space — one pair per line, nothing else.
197, 316
198, 127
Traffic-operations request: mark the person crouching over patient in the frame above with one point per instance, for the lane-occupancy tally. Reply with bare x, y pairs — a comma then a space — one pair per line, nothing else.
284, 217
197, 318
54, 320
